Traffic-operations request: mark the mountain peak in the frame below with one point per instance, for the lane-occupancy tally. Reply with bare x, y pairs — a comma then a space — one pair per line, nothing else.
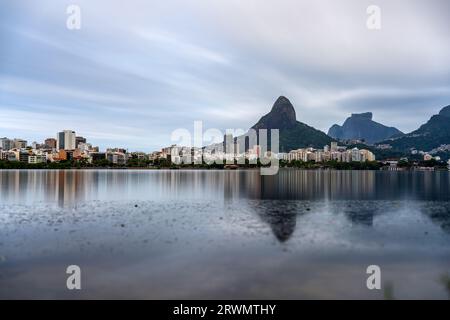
364, 115
361, 126
281, 116
284, 106
445, 111
293, 134
430, 135
282, 100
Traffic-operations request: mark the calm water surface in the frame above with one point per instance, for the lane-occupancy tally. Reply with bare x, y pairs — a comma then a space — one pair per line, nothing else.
224, 234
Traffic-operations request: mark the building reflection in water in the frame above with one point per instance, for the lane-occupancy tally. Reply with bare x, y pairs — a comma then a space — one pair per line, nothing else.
50, 186
74, 187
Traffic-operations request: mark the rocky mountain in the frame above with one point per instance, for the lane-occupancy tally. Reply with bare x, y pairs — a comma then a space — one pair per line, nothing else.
360, 126
293, 134
429, 136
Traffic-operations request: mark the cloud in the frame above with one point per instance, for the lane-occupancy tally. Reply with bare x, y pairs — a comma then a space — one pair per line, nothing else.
137, 71
184, 49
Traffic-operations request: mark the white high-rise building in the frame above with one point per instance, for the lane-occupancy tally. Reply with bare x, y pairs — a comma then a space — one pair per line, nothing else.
66, 140
334, 146
356, 155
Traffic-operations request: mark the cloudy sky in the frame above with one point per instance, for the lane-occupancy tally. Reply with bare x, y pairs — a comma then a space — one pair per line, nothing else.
135, 72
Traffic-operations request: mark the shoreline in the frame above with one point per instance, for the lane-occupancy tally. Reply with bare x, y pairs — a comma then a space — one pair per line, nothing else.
212, 169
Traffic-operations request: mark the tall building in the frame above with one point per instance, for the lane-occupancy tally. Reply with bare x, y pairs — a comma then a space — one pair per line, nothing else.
36, 145
334, 146
19, 144
79, 140
356, 155
6, 144
50, 143
66, 140
228, 144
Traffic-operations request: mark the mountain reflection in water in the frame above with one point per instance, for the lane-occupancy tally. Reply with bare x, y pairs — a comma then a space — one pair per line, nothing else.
221, 234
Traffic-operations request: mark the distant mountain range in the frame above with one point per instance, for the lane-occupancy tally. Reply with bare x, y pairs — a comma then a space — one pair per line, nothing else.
360, 126
430, 135
293, 134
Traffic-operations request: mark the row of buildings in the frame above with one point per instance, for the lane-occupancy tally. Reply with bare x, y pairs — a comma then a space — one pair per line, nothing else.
232, 152
426, 155
68, 146
329, 153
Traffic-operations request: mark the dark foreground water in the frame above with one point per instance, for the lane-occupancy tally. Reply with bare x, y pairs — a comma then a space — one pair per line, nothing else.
224, 234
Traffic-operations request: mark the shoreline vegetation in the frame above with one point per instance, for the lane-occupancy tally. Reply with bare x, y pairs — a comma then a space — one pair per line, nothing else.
165, 164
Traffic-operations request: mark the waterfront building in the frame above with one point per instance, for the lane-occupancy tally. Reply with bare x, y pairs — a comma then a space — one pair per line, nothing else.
96, 156
36, 146
155, 155
336, 156
50, 143
85, 147
79, 140
310, 156
366, 155
19, 144
66, 140
119, 150
19, 155
339, 154
334, 146
12, 156
6, 144
62, 155
34, 159
392, 165
139, 156
118, 158
4, 155
356, 155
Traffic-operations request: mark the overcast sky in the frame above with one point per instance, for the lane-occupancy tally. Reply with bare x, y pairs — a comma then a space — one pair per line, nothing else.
137, 70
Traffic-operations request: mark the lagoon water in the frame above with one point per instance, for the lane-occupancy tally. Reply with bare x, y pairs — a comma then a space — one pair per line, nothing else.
191, 234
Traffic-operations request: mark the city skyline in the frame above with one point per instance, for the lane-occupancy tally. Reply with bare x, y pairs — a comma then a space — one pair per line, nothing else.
131, 77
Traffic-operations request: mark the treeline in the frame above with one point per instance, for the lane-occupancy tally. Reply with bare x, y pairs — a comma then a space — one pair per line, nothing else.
367, 165
131, 163
433, 163
46, 165
167, 164
73, 164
